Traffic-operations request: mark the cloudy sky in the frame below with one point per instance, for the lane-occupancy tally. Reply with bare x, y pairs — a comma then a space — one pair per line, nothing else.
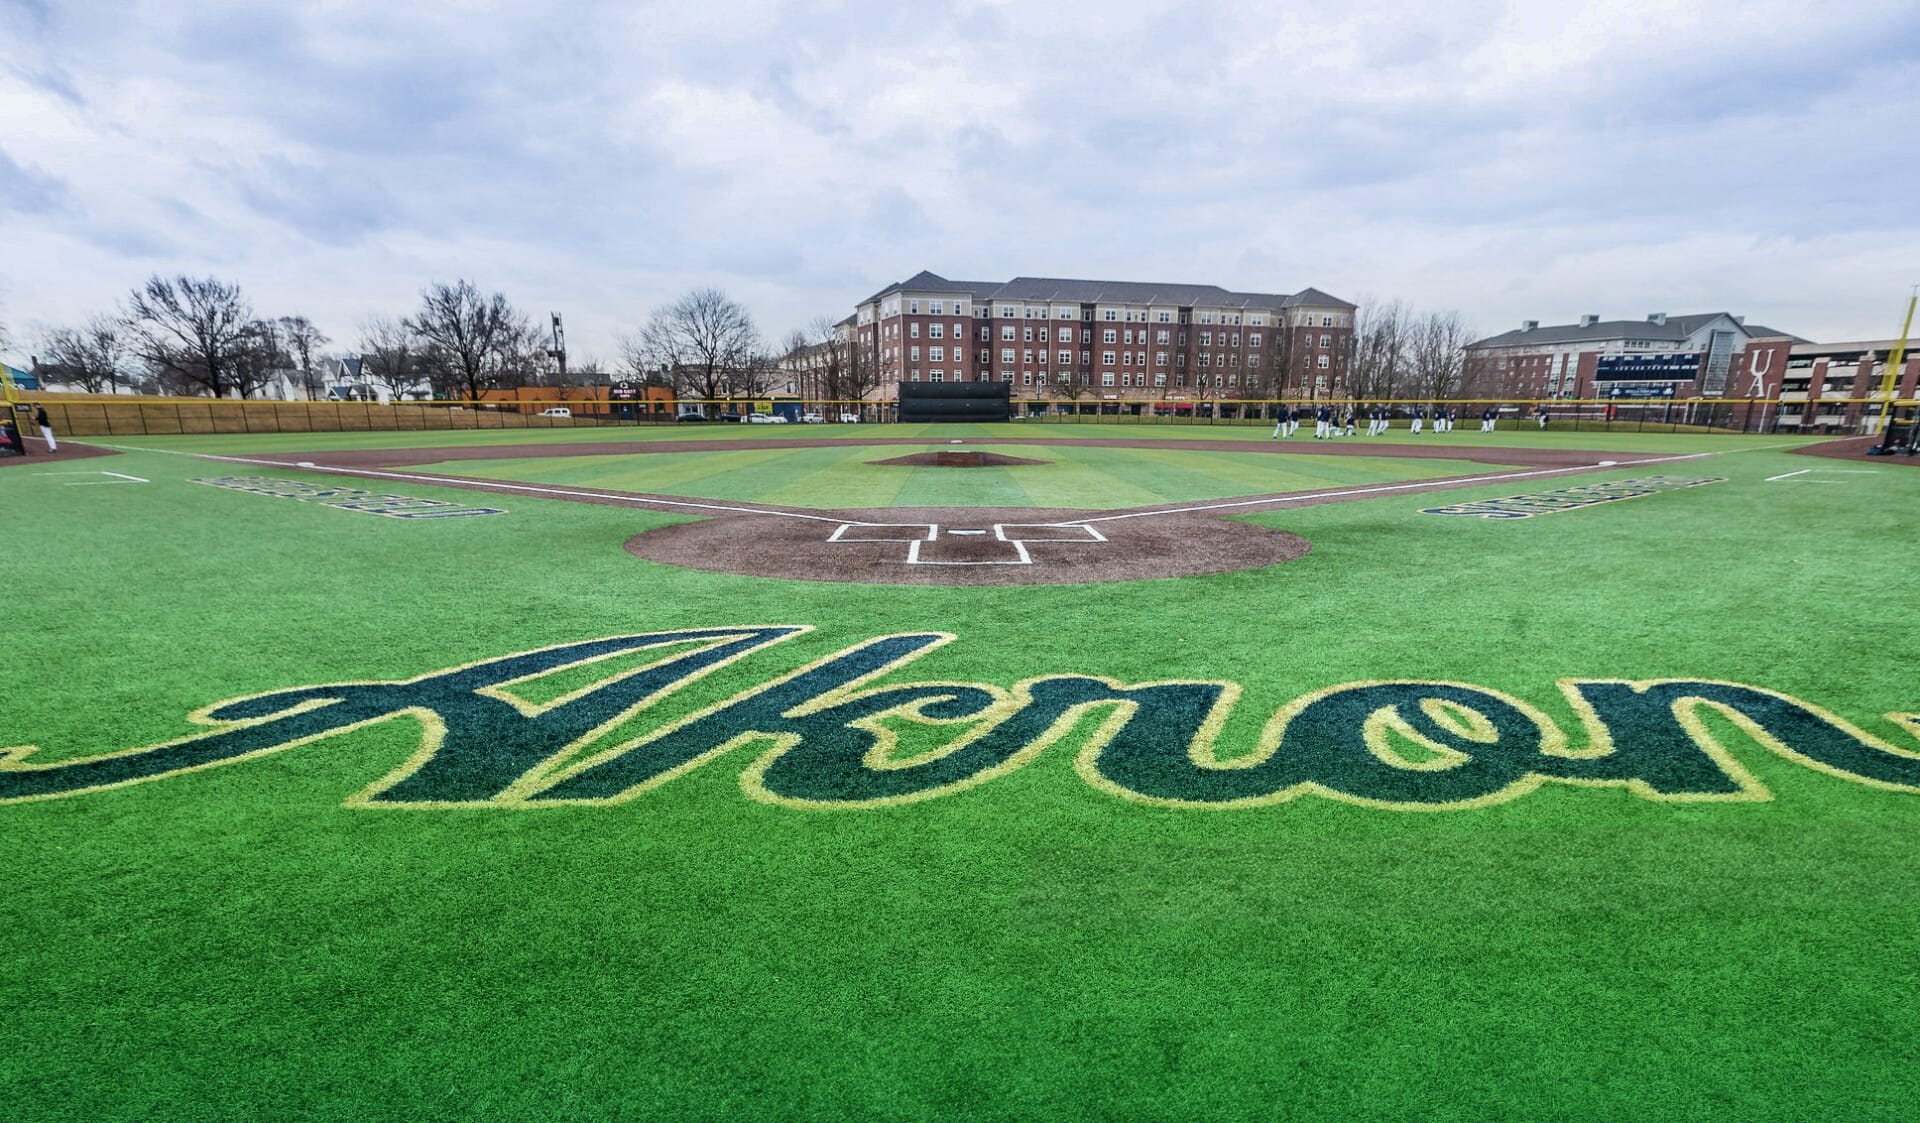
1533, 161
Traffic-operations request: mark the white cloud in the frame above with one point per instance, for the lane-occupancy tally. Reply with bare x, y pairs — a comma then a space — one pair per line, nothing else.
1510, 160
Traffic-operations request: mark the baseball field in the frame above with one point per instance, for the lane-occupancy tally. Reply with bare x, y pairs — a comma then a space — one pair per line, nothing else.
960, 772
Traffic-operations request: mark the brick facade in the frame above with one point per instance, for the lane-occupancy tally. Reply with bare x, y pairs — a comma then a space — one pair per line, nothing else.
1103, 340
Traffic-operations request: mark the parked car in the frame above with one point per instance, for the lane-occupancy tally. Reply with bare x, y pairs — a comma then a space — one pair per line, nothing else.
557, 411
693, 417
811, 418
763, 418
850, 418
730, 417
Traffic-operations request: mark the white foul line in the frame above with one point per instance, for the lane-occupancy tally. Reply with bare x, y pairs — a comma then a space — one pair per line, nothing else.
470, 482
1788, 475
1457, 481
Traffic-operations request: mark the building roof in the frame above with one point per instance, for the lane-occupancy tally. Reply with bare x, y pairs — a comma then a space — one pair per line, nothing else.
1073, 290
1675, 330
925, 281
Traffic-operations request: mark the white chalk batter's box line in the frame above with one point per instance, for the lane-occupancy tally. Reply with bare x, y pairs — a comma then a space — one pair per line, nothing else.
930, 532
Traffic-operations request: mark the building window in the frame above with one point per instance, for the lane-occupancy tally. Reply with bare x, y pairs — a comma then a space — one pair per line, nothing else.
1066, 358
1322, 364
1180, 360
1159, 358
1006, 333
1006, 311
1326, 321
913, 354
1086, 357
1160, 337
1043, 335
1165, 318
1126, 358
1110, 314
1006, 356
1253, 360
935, 331
986, 333
1326, 341
985, 355
1040, 379
937, 354
913, 307
914, 375
1257, 320
1206, 339
1029, 354
1106, 358
939, 376
1253, 339
1029, 313
1110, 336
1066, 313
1106, 378
913, 330
1026, 378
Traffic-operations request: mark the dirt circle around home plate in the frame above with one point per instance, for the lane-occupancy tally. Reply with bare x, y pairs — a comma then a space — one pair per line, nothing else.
967, 546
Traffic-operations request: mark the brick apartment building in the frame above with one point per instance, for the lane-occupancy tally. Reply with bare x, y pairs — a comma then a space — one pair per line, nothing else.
1661, 356
1104, 340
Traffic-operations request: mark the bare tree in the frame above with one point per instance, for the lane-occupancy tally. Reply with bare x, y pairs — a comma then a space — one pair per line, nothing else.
389, 355
91, 356
263, 353
303, 340
1439, 355
704, 343
192, 332
1381, 349
476, 340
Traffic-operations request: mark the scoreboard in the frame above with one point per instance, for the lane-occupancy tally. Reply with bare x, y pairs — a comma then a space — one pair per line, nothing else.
1647, 368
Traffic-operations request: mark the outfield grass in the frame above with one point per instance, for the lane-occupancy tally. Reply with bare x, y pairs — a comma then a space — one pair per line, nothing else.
238, 943
1057, 432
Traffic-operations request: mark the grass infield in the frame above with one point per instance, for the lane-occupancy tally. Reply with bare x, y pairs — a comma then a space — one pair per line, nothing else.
259, 940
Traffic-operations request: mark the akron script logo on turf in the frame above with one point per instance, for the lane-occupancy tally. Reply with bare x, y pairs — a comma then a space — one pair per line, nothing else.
1570, 498
350, 498
824, 737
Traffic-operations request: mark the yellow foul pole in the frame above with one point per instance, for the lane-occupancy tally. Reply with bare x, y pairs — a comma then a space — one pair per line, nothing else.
1898, 355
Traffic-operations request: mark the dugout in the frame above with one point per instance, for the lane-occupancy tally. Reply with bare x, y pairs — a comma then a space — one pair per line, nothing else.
956, 401
1902, 433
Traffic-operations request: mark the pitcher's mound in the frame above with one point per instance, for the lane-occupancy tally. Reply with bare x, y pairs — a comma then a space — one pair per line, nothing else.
955, 460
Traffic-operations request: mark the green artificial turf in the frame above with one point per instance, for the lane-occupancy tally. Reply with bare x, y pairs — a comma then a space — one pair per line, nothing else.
240, 943
839, 477
1062, 431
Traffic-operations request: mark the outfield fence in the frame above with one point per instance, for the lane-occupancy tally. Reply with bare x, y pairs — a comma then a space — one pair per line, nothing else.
121, 415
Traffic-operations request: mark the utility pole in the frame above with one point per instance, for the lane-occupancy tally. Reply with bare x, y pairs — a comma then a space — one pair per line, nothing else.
558, 352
